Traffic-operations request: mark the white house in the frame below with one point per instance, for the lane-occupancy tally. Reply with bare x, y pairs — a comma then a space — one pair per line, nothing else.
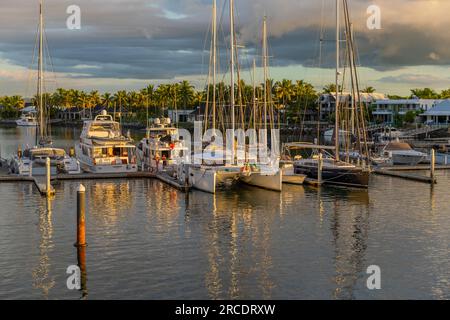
387, 109
328, 101
439, 114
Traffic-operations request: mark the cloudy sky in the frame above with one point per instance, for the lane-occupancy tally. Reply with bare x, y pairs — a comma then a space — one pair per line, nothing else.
126, 44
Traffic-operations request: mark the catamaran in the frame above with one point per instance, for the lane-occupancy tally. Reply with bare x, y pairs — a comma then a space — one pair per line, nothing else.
265, 172
333, 169
32, 161
210, 170
104, 149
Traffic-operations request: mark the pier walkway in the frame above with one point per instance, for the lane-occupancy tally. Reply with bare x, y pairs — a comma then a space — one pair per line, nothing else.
41, 184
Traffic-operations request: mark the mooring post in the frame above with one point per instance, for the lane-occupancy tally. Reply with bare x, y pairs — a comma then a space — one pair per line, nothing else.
433, 165
81, 255
49, 186
320, 168
81, 216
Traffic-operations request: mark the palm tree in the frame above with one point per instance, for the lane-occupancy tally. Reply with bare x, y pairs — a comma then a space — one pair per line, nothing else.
425, 93
186, 91
369, 90
163, 94
107, 100
331, 88
120, 100
445, 94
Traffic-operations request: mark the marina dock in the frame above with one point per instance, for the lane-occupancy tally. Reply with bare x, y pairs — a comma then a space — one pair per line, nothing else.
40, 183
408, 176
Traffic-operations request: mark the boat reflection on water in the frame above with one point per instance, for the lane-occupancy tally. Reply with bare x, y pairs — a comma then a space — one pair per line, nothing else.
350, 232
238, 239
110, 201
42, 278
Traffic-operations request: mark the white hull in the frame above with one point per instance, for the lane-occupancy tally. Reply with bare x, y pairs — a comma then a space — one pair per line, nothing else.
269, 181
289, 175
26, 167
297, 179
87, 165
405, 159
210, 179
21, 123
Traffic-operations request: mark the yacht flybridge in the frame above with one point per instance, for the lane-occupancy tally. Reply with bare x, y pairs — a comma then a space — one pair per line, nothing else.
104, 149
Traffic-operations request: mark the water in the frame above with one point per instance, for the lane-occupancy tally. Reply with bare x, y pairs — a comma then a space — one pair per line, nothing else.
148, 241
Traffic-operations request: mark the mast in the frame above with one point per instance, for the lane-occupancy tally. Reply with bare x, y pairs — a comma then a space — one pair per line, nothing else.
232, 64
232, 98
336, 126
265, 65
254, 94
42, 129
214, 36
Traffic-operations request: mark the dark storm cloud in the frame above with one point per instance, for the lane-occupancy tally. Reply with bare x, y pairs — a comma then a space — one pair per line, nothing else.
158, 39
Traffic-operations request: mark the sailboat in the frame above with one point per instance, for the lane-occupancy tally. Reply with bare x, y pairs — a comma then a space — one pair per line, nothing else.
265, 173
32, 161
333, 170
210, 171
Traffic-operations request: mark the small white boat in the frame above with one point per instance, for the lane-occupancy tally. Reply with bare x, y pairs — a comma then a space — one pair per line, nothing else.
104, 149
27, 119
401, 153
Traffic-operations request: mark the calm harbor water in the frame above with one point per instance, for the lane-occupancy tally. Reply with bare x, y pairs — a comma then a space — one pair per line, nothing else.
149, 241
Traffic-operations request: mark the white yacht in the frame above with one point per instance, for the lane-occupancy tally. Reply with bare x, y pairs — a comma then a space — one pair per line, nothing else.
27, 119
104, 149
161, 149
401, 153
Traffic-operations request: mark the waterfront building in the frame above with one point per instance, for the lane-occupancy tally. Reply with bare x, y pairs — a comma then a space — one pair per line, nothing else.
439, 114
327, 101
386, 110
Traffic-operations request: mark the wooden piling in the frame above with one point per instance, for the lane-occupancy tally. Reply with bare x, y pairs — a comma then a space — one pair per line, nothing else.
81, 256
433, 166
81, 216
48, 175
320, 169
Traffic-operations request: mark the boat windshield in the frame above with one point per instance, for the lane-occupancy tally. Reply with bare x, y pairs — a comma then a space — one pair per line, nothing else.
50, 153
98, 127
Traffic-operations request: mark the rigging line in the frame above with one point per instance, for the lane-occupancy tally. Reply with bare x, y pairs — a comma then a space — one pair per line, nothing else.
33, 61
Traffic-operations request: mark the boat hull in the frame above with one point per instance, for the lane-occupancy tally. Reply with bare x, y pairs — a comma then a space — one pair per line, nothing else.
87, 165
409, 160
349, 177
271, 182
297, 179
210, 179
289, 175
21, 123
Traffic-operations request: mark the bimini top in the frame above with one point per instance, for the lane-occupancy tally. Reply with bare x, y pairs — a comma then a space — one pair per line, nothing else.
395, 146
